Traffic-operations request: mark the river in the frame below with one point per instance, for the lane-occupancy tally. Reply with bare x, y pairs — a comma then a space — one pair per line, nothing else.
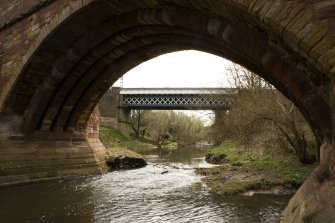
159, 192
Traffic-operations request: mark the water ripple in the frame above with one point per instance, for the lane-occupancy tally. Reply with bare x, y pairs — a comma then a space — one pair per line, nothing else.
141, 196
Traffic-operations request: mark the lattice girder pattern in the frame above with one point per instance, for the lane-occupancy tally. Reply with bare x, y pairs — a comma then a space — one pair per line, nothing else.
176, 101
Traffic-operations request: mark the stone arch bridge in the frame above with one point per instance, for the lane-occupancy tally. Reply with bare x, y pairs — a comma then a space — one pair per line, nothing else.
58, 57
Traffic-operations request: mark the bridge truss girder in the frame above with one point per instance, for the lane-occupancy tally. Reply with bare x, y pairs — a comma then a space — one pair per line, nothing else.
176, 102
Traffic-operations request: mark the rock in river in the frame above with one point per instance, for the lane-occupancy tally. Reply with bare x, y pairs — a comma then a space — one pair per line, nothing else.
124, 159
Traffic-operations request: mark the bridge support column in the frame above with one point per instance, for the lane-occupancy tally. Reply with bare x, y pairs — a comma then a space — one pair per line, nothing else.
124, 122
109, 108
47, 155
314, 201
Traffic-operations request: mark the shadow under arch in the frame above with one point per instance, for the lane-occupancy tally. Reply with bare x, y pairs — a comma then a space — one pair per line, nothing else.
67, 76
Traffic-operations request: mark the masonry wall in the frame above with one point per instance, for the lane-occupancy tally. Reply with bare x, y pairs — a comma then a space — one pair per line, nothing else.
24, 24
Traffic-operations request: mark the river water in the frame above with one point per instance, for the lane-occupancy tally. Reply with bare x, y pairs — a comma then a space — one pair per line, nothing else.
159, 192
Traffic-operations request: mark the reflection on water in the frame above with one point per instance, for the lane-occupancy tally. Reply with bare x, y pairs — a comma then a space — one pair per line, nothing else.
188, 155
141, 195
47, 202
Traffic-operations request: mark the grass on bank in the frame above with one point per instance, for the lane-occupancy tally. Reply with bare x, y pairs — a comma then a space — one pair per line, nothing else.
114, 138
172, 146
269, 170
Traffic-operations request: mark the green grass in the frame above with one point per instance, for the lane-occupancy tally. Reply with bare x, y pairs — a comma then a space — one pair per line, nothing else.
211, 171
224, 148
240, 187
288, 169
170, 146
114, 138
235, 157
195, 186
277, 170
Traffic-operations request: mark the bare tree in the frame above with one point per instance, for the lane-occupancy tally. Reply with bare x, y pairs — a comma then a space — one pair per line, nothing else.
136, 123
261, 111
171, 125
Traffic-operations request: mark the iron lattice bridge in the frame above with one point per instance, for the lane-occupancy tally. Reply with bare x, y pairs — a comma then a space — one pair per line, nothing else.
177, 98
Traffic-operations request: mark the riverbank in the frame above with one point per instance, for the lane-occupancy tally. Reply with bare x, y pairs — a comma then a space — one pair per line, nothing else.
241, 172
123, 152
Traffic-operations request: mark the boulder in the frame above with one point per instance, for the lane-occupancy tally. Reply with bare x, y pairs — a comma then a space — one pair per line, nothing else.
125, 162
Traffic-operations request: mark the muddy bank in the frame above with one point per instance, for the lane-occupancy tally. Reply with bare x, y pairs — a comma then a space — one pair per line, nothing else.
241, 173
231, 180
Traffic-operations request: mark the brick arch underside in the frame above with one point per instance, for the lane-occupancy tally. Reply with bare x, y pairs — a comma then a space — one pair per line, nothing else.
65, 77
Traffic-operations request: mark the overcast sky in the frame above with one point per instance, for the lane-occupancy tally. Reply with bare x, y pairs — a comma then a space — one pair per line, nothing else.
180, 69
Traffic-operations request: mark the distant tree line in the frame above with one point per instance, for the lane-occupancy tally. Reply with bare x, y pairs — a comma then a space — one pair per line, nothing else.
164, 126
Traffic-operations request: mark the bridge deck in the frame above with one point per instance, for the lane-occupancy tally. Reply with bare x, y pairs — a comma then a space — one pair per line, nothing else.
177, 98
184, 91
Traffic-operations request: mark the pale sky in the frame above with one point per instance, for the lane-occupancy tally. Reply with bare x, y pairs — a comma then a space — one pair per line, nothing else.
188, 68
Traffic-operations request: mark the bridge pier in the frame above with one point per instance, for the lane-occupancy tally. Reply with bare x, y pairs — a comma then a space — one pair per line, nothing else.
314, 201
45, 155
124, 122
112, 114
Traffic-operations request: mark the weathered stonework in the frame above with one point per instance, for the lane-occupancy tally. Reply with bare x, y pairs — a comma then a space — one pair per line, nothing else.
314, 201
93, 124
58, 57
44, 155
37, 157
